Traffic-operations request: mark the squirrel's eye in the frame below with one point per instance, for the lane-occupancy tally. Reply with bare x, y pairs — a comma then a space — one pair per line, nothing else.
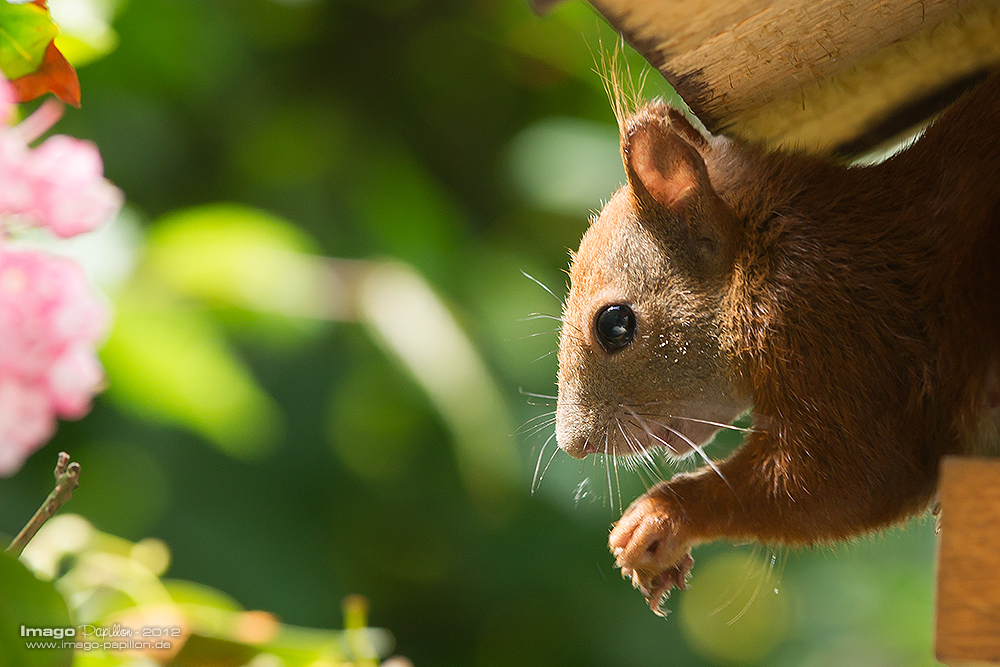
615, 327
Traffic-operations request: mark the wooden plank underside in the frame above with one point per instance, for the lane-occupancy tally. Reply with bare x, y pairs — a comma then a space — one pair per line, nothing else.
812, 74
968, 604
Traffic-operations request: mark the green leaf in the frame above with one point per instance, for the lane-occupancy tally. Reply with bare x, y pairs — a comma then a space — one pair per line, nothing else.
191, 593
25, 32
26, 601
232, 255
168, 361
85, 32
256, 270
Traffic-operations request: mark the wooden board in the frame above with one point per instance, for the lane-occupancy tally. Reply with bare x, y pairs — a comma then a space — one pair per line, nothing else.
968, 597
823, 75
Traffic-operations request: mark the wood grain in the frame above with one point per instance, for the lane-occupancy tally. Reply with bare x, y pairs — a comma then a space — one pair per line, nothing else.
968, 603
812, 74
740, 55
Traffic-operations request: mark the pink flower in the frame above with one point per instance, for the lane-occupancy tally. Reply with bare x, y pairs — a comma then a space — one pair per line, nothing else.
50, 324
60, 184
51, 319
26, 422
69, 194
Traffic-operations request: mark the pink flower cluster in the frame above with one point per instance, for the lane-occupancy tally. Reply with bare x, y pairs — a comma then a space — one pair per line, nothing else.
51, 318
59, 185
50, 322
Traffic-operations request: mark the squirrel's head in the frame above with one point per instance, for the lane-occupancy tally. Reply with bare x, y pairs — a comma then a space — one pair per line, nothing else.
640, 359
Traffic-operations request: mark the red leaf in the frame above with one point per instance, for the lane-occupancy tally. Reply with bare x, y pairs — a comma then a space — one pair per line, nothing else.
55, 76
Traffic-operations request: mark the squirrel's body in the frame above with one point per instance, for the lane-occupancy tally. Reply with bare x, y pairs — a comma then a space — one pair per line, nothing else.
857, 309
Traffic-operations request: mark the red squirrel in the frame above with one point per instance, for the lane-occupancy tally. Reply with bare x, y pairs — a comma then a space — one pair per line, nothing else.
855, 309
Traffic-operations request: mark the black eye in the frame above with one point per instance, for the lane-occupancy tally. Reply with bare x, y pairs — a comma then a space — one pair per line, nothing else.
615, 327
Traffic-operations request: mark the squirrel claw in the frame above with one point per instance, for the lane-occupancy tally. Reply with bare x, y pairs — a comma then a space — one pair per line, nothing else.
684, 571
657, 588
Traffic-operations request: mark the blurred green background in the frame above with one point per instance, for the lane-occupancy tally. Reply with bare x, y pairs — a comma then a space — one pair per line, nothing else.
299, 430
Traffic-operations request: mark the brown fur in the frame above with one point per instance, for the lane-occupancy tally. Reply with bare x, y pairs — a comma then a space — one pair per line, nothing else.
856, 309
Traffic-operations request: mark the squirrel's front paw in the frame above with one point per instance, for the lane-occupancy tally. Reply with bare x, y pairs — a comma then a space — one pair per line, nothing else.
655, 585
648, 548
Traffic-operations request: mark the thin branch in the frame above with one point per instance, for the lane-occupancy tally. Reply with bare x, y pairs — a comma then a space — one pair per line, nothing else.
67, 478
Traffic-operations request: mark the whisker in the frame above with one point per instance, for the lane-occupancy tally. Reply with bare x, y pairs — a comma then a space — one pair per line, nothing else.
537, 428
546, 404
645, 457
607, 468
745, 579
629, 445
646, 478
550, 414
536, 423
644, 462
731, 427
568, 323
703, 455
756, 592
582, 490
536, 334
651, 464
540, 316
537, 480
542, 420
654, 436
540, 284
547, 354
783, 559
521, 391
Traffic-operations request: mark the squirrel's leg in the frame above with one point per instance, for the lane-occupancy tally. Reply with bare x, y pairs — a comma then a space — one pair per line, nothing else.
768, 491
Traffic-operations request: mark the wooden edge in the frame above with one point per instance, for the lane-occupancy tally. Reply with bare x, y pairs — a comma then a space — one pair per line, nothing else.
968, 591
886, 94
854, 109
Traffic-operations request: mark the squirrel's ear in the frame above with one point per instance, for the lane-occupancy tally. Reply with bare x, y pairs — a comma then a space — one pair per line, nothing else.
668, 177
680, 123
660, 162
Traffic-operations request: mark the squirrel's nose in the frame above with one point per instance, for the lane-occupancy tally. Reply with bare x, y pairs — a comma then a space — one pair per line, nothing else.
572, 441
572, 431
579, 452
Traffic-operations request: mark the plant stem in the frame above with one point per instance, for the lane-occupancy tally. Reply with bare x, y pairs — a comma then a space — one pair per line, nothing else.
67, 478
